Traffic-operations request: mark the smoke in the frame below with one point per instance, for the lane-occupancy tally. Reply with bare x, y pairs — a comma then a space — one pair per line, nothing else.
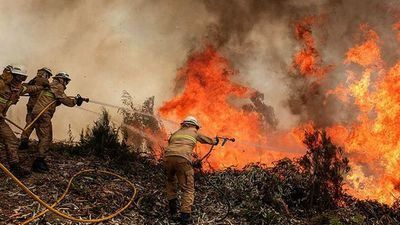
112, 45
259, 37
106, 46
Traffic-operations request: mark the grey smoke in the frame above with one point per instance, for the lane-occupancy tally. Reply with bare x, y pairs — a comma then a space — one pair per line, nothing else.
112, 45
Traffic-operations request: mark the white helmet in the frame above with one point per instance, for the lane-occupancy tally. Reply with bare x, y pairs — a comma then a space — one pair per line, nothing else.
19, 71
48, 70
191, 120
62, 75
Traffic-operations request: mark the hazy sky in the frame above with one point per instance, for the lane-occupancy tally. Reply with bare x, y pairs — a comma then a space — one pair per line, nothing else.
108, 46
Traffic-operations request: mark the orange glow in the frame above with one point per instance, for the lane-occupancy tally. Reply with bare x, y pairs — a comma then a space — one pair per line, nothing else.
368, 53
208, 95
371, 141
308, 61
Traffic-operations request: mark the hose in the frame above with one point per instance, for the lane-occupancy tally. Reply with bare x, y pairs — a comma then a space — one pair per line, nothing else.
63, 215
51, 208
228, 203
201, 172
33, 121
40, 113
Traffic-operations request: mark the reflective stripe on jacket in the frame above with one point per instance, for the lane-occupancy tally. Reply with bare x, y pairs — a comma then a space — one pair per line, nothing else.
183, 141
9, 95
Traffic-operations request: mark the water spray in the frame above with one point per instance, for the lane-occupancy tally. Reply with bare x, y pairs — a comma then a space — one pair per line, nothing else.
133, 110
225, 139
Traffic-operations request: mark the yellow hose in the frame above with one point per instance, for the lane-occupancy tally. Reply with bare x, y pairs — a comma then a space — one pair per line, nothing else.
51, 208
37, 117
63, 215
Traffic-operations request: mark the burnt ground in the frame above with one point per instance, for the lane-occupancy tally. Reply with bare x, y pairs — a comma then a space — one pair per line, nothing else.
95, 195
258, 195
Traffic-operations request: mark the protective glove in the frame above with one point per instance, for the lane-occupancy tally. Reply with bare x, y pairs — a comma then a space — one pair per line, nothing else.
46, 86
197, 164
79, 100
216, 141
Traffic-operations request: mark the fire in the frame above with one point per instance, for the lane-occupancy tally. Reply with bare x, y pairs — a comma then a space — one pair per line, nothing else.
308, 60
210, 94
371, 141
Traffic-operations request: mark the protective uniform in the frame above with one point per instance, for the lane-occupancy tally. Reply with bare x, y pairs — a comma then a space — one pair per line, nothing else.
41, 79
10, 91
179, 169
43, 126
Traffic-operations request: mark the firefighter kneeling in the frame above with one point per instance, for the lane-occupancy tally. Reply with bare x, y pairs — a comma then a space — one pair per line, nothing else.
179, 169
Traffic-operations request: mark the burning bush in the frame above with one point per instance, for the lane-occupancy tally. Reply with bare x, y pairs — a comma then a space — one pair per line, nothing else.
325, 166
141, 129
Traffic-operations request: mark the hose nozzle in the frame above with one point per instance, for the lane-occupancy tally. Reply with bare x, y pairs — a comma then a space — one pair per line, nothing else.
225, 139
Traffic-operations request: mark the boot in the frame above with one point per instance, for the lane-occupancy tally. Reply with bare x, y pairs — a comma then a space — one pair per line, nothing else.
40, 166
18, 171
173, 209
186, 219
24, 144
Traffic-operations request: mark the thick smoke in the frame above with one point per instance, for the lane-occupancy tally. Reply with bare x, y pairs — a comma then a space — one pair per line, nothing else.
259, 36
106, 46
112, 45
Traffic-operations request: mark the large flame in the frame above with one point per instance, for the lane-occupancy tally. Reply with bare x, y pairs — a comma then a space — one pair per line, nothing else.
372, 141
210, 94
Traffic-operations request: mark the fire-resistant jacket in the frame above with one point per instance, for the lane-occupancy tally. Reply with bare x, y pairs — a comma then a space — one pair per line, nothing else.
55, 93
9, 94
33, 97
182, 142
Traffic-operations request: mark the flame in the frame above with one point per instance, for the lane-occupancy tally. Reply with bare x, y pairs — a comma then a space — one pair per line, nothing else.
372, 142
210, 95
308, 60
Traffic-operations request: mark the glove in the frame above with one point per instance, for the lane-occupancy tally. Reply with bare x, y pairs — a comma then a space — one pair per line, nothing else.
46, 86
79, 100
216, 141
197, 164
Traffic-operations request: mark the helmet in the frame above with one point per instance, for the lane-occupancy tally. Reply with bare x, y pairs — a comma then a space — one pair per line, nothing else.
191, 120
19, 73
6, 75
8, 69
47, 70
17, 70
63, 75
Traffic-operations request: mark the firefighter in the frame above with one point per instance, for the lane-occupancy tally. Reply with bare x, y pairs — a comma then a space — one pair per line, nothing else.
179, 169
41, 79
11, 88
54, 96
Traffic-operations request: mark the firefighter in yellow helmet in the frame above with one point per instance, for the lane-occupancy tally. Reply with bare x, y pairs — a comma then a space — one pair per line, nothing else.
54, 96
11, 88
41, 79
179, 169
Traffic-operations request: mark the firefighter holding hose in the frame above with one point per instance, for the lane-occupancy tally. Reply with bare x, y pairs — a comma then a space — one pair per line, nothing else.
11, 88
179, 169
42, 79
44, 110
